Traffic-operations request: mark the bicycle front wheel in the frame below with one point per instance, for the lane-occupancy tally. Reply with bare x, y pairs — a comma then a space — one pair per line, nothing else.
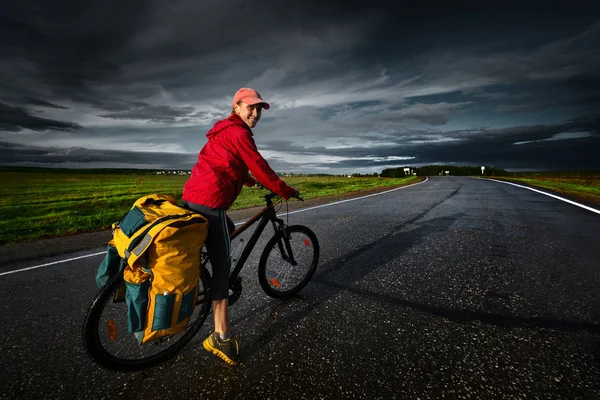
108, 341
284, 270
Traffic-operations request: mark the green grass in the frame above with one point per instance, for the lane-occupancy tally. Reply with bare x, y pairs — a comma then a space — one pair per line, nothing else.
43, 204
583, 187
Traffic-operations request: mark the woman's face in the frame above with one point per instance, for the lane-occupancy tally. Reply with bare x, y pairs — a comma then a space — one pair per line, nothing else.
250, 114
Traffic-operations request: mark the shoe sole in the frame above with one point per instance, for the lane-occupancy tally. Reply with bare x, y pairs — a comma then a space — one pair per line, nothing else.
208, 347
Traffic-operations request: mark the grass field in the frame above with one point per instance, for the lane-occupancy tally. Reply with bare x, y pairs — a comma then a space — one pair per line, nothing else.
43, 204
585, 187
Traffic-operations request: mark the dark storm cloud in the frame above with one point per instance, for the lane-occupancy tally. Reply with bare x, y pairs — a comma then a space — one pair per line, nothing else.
69, 47
72, 48
42, 103
151, 113
15, 119
431, 114
13, 154
65, 45
371, 72
522, 107
540, 147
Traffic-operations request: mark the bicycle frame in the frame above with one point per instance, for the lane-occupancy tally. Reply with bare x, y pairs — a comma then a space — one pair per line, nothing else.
266, 215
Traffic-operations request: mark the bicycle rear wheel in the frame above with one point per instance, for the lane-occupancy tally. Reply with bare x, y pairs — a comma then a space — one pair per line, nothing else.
277, 274
108, 342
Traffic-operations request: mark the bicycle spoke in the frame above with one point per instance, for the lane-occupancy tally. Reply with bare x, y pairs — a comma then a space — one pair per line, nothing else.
286, 267
111, 344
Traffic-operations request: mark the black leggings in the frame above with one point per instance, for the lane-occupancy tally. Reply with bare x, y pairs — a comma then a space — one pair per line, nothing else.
217, 246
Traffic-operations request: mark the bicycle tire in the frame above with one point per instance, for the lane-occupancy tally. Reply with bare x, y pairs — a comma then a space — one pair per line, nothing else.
109, 357
277, 277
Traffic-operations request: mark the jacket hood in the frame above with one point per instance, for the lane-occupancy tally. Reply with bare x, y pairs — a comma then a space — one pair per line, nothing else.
232, 120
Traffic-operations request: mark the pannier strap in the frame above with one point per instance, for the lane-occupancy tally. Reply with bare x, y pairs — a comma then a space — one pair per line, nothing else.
139, 249
141, 241
134, 243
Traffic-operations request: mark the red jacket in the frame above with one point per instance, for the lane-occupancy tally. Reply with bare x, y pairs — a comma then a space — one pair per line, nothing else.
222, 168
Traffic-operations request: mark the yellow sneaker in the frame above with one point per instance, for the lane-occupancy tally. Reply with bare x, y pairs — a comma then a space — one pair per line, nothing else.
228, 349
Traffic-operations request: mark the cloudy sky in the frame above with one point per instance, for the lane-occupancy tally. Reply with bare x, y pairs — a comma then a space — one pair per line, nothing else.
354, 86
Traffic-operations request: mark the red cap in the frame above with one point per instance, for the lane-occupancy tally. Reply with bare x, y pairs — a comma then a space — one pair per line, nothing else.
249, 96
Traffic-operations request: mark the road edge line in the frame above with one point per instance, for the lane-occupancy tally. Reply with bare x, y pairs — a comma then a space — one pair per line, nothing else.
547, 194
52, 263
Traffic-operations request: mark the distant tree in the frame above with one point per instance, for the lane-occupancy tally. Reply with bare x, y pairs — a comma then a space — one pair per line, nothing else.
433, 170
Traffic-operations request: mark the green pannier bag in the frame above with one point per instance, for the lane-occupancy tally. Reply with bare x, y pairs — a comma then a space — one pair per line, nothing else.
111, 265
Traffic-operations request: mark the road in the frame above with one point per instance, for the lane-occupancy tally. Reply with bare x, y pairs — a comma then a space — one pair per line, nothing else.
454, 288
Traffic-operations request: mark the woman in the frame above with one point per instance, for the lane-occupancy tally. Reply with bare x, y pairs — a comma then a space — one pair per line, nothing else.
216, 181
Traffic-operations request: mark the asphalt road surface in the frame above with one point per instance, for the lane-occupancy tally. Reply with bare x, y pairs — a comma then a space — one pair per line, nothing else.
453, 288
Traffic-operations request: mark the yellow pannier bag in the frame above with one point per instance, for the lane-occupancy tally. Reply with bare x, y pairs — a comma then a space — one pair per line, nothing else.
160, 243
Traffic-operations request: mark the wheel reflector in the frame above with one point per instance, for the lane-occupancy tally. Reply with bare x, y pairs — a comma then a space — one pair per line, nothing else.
306, 242
112, 330
274, 282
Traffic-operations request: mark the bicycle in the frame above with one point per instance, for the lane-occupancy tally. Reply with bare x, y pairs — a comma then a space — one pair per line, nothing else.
105, 334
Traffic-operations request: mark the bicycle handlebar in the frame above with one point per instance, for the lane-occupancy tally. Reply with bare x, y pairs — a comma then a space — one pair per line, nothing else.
269, 197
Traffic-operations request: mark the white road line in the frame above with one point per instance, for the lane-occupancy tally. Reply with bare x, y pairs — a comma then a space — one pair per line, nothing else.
239, 223
52, 263
548, 194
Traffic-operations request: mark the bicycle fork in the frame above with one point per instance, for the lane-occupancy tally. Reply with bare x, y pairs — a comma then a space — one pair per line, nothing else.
285, 248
